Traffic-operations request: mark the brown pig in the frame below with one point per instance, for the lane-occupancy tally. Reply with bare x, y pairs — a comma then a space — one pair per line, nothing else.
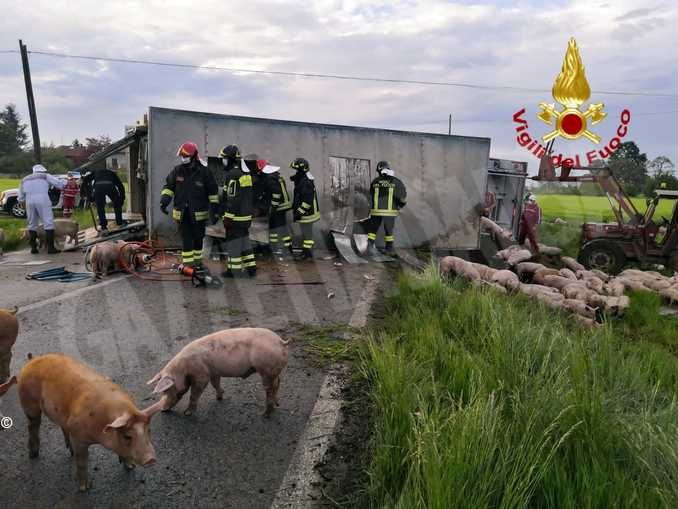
572, 264
507, 279
539, 276
89, 409
104, 258
9, 330
231, 353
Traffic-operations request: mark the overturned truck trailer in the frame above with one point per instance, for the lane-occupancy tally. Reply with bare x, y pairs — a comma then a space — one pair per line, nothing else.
445, 175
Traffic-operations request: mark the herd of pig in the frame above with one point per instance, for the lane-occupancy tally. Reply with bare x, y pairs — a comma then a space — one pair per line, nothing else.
91, 409
586, 293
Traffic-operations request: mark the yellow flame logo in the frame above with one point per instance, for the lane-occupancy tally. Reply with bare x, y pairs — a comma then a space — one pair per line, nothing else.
571, 89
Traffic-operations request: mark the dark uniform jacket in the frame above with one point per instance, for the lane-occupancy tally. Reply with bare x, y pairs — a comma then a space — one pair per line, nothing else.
305, 202
238, 195
261, 196
192, 187
279, 198
388, 196
102, 178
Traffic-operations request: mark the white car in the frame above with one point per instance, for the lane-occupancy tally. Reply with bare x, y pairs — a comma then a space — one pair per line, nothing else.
9, 201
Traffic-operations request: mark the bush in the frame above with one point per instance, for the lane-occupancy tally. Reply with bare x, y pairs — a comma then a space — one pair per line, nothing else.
484, 400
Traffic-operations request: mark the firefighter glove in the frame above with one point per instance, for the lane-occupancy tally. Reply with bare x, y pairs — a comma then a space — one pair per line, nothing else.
228, 222
164, 202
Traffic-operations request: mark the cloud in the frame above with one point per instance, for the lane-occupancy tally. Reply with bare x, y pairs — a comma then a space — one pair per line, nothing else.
623, 47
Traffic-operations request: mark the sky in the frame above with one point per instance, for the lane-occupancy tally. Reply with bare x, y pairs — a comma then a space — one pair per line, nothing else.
624, 47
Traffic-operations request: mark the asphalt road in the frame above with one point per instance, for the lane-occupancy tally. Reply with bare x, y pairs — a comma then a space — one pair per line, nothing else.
227, 454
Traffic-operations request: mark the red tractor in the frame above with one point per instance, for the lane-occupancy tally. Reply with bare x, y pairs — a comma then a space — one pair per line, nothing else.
633, 236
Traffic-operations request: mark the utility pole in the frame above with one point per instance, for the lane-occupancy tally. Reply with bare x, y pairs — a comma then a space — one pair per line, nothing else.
449, 129
31, 103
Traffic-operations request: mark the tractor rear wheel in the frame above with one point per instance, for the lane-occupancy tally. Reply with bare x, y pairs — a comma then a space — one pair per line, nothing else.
604, 256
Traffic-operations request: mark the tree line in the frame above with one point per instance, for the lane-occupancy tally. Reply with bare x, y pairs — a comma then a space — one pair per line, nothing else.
638, 175
16, 151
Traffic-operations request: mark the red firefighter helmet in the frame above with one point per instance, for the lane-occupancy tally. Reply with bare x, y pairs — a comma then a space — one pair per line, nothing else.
188, 149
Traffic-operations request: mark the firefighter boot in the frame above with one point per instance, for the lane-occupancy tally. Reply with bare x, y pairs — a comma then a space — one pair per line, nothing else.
228, 274
252, 271
307, 254
371, 250
388, 249
49, 234
33, 241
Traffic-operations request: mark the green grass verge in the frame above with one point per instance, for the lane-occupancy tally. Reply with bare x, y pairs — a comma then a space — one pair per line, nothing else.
9, 183
580, 209
484, 400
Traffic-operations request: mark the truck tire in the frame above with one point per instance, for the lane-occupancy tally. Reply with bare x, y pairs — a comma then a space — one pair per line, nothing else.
605, 256
15, 208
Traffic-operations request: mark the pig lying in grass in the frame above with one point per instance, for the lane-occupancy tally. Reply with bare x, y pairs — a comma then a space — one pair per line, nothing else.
230, 353
539, 277
514, 255
454, 266
572, 264
89, 409
9, 330
507, 279
525, 269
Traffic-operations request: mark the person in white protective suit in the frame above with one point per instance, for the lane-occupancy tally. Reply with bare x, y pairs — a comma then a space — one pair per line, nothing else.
34, 193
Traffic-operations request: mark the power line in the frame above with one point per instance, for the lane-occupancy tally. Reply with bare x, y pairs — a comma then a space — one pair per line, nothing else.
475, 86
668, 112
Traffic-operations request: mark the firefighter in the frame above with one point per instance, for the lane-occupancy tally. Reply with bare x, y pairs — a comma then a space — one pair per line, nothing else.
529, 221
279, 199
238, 213
388, 197
195, 193
105, 183
305, 204
260, 196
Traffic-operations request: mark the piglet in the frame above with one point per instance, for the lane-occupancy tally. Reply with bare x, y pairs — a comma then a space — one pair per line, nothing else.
231, 353
9, 330
89, 409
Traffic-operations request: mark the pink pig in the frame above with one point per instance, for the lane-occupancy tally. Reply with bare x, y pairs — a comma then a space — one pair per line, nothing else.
230, 353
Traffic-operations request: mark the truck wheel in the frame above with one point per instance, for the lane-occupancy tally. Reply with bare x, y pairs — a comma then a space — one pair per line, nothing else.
603, 256
15, 208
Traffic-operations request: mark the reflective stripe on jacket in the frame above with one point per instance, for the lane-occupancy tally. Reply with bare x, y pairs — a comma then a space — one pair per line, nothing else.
192, 186
238, 192
305, 203
388, 196
280, 199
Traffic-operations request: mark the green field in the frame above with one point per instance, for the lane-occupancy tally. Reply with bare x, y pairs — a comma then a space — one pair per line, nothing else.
579, 209
486, 400
6, 183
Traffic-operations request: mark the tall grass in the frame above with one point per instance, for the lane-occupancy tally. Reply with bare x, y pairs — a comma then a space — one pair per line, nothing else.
484, 400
